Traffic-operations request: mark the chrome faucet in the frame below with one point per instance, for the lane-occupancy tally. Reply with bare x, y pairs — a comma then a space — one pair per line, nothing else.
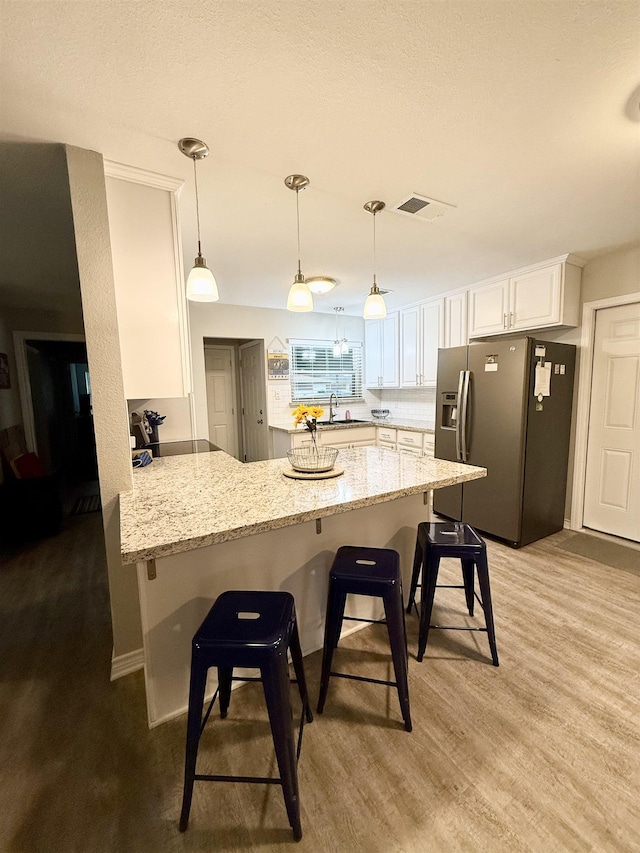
331, 412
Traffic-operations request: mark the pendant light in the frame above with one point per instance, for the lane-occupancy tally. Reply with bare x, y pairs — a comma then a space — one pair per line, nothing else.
201, 284
374, 307
300, 298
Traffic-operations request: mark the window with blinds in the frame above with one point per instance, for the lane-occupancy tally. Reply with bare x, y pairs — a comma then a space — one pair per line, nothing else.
315, 372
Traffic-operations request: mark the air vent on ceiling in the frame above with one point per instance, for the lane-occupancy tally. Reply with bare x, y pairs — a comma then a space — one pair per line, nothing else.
420, 207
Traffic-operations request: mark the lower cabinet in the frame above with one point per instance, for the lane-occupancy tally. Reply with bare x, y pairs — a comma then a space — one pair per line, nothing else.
345, 439
406, 441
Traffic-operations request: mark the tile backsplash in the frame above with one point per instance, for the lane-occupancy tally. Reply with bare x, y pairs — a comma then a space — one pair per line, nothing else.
409, 403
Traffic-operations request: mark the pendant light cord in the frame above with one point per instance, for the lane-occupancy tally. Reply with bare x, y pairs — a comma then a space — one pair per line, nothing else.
374, 249
298, 220
195, 179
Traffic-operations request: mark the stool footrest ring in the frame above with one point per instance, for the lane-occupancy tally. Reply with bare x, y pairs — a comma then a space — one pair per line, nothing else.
358, 619
262, 780
363, 678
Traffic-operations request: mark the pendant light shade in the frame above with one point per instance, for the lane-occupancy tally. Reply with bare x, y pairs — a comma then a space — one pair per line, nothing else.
374, 307
201, 284
300, 298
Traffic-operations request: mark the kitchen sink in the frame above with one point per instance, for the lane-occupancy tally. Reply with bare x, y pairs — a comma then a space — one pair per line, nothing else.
336, 421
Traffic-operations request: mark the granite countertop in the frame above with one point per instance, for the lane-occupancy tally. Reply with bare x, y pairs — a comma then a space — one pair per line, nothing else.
395, 423
180, 503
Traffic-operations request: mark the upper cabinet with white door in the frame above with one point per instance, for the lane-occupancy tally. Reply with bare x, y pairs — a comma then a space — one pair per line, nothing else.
381, 352
537, 297
455, 320
421, 333
148, 277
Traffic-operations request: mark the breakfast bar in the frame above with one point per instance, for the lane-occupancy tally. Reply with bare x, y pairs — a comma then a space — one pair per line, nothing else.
200, 524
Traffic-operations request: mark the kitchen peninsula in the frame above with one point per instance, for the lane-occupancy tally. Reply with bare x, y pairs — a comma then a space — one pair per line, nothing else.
199, 524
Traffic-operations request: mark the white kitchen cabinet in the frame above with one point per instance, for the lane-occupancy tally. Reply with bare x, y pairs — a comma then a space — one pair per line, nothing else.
455, 320
409, 439
428, 444
421, 333
489, 308
345, 439
410, 451
148, 278
387, 435
541, 297
381, 367
403, 440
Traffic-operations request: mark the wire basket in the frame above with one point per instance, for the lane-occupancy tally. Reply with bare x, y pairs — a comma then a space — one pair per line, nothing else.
310, 459
380, 414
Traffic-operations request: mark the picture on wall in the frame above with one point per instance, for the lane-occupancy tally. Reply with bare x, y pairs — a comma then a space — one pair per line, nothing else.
5, 379
278, 365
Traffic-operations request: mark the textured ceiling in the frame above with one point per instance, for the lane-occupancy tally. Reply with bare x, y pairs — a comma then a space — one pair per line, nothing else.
522, 114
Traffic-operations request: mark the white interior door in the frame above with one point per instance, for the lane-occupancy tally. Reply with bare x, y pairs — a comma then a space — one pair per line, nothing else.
221, 393
612, 482
254, 404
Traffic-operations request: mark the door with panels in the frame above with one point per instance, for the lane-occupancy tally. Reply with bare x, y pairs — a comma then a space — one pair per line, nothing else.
612, 481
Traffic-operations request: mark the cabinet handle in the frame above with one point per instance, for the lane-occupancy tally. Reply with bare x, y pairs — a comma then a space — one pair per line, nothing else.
504, 321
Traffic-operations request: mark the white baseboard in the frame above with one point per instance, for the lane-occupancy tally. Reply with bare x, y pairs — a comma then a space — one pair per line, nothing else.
126, 664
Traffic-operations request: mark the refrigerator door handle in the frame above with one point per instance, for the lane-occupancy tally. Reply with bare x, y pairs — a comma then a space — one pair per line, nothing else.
465, 377
459, 418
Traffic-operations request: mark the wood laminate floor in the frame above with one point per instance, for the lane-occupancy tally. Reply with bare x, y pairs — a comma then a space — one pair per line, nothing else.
541, 754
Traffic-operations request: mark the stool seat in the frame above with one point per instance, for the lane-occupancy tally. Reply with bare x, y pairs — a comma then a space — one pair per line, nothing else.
254, 619
250, 629
458, 540
372, 566
451, 535
374, 572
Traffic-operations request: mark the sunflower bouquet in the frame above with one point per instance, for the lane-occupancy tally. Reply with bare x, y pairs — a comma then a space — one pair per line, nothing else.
309, 416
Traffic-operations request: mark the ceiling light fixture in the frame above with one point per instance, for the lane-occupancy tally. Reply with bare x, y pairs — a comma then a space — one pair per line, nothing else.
374, 307
201, 284
300, 298
320, 284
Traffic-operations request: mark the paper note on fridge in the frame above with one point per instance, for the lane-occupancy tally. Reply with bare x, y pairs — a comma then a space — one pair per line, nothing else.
543, 380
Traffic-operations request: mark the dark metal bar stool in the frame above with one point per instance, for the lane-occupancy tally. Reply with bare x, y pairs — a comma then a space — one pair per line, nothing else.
450, 539
376, 572
252, 630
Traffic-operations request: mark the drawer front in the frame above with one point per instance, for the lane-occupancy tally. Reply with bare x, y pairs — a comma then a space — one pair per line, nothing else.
408, 438
410, 451
345, 437
429, 444
388, 435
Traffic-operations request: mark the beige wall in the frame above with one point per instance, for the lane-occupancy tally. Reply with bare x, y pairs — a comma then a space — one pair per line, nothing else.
236, 321
613, 274
89, 206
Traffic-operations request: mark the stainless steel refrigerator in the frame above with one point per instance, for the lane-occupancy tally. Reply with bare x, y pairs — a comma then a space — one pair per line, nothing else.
506, 405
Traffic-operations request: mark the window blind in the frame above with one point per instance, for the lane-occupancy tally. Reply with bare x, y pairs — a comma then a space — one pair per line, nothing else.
315, 372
